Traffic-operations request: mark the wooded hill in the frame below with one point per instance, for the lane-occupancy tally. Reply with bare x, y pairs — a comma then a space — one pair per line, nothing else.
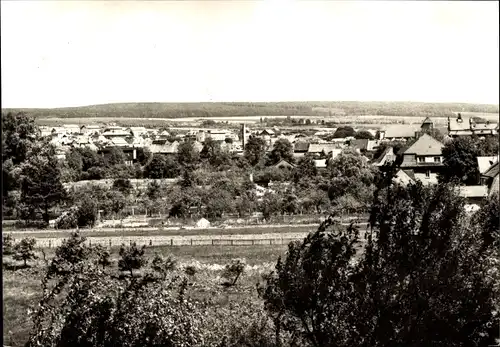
233, 109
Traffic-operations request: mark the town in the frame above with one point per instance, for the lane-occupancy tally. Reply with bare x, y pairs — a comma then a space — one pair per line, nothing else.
272, 173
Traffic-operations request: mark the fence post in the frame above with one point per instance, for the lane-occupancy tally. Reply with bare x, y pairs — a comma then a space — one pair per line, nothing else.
171, 242
109, 243
191, 241
212, 242
50, 244
150, 242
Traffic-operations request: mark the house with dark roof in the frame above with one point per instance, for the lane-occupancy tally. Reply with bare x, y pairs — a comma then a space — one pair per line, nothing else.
89, 129
324, 149
399, 132
300, 148
473, 194
164, 147
387, 157
424, 158
468, 126
427, 124
283, 164
490, 178
404, 177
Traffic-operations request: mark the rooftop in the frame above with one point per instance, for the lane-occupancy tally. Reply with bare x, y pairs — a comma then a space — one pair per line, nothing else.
425, 145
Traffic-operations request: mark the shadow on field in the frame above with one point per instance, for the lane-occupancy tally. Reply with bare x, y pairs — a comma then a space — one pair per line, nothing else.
15, 267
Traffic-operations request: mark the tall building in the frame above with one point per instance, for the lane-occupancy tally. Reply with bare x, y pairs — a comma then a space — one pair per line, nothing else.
244, 136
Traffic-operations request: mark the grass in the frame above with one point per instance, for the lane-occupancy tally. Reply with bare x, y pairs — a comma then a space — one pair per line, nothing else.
22, 288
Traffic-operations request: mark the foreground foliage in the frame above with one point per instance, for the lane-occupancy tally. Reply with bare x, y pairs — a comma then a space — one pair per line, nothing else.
426, 274
422, 279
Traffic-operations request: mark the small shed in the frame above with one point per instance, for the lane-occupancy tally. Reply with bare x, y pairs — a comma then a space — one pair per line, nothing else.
202, 223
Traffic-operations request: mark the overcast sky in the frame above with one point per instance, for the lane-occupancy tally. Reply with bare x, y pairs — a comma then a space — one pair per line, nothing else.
71, 53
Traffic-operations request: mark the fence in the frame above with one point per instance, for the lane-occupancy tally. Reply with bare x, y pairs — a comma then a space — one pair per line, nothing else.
174, 242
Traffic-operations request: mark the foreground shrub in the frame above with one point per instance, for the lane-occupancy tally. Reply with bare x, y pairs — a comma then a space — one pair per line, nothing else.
234, 270
421, 280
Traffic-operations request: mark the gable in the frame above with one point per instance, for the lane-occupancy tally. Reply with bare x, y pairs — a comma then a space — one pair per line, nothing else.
425, 145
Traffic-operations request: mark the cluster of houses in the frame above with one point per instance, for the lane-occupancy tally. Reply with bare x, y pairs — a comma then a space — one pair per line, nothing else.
422, 161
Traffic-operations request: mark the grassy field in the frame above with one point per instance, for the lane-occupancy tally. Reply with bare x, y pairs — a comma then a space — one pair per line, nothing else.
233, 109
22, 289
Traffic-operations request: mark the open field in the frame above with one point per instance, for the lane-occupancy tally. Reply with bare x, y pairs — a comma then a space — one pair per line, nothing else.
22, 288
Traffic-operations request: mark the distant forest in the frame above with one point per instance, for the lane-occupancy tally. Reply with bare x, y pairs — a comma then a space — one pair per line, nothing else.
234, 109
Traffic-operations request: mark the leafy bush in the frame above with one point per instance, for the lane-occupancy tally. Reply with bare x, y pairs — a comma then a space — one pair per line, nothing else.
234, 270
24, 250
131, 258
69, 219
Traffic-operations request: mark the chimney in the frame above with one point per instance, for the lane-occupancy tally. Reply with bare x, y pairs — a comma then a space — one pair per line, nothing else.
243, 136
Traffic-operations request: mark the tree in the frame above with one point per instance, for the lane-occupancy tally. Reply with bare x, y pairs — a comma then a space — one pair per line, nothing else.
19, 133
123, 185
143, 155
24, 250
115, 157
7, 244
87, 212
41, 187
363, 134
435, 133
162, 166
234, 270
307, 294
163, 265
304, 170
255, 150
421, 280
217, 202
351, 174
131, 258
213, 153
158, 167
153, 190
103, 256
344, 131
187, 153
460, 161
74, 161
282, 149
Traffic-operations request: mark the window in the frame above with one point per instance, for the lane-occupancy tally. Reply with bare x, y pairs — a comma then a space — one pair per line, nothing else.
420, 159
437, 159
427, 174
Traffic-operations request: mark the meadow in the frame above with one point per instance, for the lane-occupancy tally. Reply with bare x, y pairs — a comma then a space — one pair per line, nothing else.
22, 287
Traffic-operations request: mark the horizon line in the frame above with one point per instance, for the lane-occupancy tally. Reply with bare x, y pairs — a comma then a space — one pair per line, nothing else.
253, 102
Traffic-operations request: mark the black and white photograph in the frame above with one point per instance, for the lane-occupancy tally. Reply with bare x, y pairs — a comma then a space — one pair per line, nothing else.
259, 173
